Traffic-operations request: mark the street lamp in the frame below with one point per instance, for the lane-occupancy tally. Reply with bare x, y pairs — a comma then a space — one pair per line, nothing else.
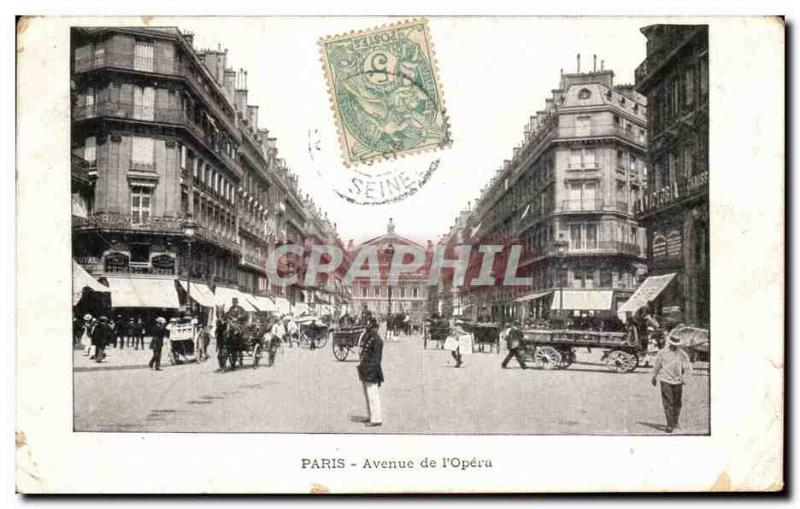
389, 251
189, 229
561, 246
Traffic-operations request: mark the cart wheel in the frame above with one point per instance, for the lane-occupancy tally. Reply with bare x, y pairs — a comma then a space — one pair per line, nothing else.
340, 351
547, 357
567, 357
620, 361
256, 355
322, 340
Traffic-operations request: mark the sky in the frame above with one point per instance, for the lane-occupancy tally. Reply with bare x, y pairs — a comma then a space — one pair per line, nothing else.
495, 73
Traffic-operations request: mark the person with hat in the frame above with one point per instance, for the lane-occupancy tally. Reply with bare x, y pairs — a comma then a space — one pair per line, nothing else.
513, 336
157, 343
370, 371
671, 367
274, 337
86, 335
101, 336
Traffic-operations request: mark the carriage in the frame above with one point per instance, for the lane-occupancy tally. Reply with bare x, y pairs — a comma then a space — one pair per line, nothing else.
236, 341
555, 349
486, 336
346, 340
181, 347
313, 331
435, 330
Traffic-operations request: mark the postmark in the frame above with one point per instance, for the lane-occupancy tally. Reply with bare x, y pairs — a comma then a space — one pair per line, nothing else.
385, 92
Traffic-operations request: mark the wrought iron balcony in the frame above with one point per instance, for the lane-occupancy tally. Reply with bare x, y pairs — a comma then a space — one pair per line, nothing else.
681, 189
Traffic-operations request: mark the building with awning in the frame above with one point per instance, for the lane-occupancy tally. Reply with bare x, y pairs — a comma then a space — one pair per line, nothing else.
583, 300
533, 296
647, 292
283, 305
81, 280
224, 297
261, 303
201, 294
128, 292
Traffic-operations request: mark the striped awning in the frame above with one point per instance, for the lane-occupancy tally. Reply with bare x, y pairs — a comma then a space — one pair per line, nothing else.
283, 305
533, 296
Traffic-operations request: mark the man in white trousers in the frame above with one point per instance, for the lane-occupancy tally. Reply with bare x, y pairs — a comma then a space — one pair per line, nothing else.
370, 372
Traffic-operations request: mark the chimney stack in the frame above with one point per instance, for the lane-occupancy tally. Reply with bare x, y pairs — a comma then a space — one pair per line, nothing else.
594, 65
579, 63
602, 64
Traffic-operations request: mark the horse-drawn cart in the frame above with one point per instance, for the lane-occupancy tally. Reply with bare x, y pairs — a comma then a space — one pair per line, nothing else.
555, 349
435, 330
313, 331
486, 336
181, 346
346, 340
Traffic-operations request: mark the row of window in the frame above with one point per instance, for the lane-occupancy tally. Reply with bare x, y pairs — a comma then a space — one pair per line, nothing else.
397, 292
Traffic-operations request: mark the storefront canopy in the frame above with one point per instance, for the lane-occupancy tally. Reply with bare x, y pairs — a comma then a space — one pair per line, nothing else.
647, 292
261, 303
201, 294
300, 308
283, 305
533, 296
586, 300
143, 293
82, 279
224, 297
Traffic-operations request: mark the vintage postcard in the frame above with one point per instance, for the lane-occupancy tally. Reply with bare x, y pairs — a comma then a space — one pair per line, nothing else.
344, 286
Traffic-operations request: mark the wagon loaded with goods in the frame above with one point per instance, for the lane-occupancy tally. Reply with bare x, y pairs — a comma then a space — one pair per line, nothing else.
346, 340
555, 349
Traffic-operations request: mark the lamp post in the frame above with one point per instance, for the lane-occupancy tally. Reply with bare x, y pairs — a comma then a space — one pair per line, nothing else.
189, 228
389, 252
561, 246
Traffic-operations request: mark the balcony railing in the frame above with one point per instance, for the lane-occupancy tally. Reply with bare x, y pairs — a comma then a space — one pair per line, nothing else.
581, 205
583, 166
148, 113
154, 64
680, 189
594, 130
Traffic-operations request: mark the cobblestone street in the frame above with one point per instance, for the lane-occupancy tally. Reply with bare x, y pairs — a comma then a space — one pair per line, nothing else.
308, 391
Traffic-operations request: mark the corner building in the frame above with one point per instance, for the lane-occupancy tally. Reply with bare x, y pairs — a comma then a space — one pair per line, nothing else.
574, 178
162, 132
674, 77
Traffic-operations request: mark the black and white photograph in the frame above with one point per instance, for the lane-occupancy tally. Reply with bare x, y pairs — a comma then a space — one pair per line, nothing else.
484, 229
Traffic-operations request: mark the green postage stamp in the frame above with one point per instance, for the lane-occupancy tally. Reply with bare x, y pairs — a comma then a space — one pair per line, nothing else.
385, 92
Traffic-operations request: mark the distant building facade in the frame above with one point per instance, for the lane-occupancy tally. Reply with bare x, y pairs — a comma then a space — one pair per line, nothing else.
674, 77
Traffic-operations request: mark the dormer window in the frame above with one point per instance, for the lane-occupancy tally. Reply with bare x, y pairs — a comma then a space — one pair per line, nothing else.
584, 93
608, 95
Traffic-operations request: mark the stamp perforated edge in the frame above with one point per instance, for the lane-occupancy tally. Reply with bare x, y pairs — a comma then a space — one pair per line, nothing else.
340, 134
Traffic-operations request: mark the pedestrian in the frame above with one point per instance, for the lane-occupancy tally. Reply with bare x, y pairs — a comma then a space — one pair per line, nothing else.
119, 332
138, 333
130, 332
203, 339
671, 367
102, 335
86, 335
370, 372
159, 332
458, 342
278, 334
514, 344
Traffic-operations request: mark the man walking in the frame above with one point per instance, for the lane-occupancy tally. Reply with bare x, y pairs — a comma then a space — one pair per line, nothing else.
671, 366
101, 336
159, 331
370, 372
514, 343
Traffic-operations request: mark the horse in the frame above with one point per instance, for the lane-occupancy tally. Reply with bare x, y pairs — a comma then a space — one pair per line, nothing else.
230, 342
